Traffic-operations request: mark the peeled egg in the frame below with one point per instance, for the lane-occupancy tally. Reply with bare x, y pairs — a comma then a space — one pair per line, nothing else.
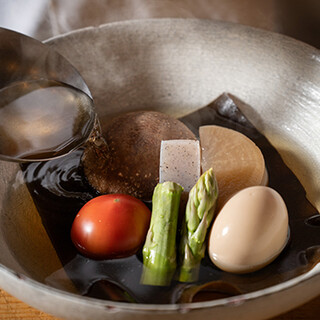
250, 231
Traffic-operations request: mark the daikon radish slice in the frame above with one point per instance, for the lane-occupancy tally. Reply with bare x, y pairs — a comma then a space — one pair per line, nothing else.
180, 162
236, 160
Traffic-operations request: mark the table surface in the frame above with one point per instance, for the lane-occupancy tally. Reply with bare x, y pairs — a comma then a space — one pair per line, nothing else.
13, 309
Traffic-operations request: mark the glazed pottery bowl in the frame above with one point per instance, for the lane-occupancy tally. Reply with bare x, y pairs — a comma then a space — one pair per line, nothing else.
175, 66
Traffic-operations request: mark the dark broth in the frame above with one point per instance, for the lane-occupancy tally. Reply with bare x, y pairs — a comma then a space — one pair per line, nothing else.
59, 189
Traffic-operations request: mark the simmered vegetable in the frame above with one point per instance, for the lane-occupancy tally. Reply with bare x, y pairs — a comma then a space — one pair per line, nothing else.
159, 251
199, 214
129, 161
110, 226
236, 161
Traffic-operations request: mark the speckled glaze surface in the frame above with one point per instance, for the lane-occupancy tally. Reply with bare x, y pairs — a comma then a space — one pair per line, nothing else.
175, 66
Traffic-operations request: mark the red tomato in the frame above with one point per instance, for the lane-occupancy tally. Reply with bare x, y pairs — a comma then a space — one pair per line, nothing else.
110, 226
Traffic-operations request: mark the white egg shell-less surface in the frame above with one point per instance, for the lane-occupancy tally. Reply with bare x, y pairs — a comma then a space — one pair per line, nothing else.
175, 66
250, 230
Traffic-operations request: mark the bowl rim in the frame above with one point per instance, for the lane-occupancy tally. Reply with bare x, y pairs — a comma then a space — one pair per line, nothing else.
126, 306
156, 20
313, 273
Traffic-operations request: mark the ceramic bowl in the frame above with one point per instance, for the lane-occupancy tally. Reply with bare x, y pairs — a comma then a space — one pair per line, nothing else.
175, 66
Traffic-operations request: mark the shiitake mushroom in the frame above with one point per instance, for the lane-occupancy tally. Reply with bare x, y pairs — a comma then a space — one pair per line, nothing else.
128, 162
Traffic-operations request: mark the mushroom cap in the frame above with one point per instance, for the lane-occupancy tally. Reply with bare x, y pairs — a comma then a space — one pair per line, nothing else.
129, 162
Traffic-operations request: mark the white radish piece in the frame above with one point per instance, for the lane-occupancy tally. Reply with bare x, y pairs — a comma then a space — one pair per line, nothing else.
235, 159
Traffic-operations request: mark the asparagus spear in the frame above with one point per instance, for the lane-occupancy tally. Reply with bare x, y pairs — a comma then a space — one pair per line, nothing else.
199, 214
159, 251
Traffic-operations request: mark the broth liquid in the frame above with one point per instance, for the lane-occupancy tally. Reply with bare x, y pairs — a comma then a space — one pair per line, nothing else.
59, 190
43, 119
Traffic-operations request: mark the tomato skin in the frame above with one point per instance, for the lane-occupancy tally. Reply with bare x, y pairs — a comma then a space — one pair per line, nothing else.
110, 226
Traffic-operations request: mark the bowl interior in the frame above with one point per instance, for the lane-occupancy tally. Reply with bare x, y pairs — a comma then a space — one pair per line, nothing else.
176, 67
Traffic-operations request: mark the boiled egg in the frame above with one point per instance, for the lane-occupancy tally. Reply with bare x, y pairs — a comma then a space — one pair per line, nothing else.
250, 231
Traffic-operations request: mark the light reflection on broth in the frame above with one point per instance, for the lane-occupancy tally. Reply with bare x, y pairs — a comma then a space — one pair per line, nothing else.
42, 119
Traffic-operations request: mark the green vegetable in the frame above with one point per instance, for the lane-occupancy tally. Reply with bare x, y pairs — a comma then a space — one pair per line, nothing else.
198, 217
159, 251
